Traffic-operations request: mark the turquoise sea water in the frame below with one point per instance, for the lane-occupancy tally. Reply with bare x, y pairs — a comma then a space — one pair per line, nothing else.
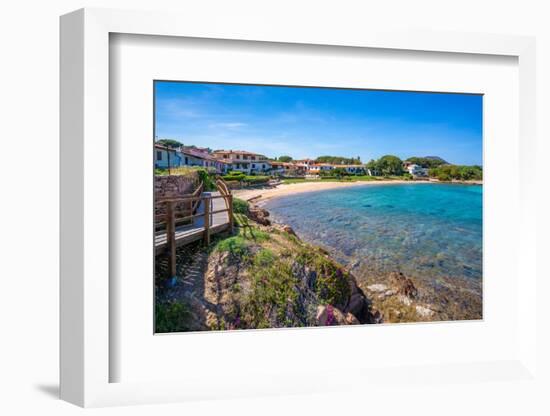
424, 230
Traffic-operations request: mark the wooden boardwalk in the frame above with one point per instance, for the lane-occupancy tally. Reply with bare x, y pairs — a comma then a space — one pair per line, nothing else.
218, 221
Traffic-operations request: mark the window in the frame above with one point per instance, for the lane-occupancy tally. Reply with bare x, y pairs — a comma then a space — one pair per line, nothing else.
186, 160
253, 166
159, 155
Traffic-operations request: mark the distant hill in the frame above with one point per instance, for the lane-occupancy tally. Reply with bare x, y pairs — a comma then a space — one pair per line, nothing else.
437, 159
428, 161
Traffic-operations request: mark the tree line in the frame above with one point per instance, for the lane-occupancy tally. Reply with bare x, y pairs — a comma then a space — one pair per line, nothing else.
457, 172
334, 160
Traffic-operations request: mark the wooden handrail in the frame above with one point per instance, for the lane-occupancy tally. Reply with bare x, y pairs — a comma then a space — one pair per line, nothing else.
172, 219
222, 186
171, 239
207, 221
198, 191
189, 217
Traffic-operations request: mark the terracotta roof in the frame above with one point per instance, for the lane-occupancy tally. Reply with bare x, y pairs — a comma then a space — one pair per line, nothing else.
282, 164
160, 146
201, 154
242, 152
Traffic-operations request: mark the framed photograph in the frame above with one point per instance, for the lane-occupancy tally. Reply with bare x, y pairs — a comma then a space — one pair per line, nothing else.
312, 235
273, 198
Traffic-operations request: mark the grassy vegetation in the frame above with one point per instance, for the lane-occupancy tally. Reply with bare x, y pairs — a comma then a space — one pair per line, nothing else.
236, 245
273, 267
172, 317
272, 291
240, 206
246, 235
332, 285
182, 170
297, 180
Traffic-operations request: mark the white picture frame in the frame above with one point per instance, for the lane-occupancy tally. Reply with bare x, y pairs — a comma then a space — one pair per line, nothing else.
85, 211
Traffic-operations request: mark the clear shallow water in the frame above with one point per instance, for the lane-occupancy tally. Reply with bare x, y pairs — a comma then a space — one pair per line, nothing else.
424, 230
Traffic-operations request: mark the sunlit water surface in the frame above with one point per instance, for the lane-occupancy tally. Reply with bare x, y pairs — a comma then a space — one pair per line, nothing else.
424, 230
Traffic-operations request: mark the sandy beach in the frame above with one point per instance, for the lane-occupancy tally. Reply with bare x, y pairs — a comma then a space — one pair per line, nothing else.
264, 194
295, 188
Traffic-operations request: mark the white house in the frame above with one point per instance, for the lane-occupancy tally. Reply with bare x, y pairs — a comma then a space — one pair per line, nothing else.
167, 157
191, 159
417, 170
305, 163
317, 168
352, 169
197, 156
243, 161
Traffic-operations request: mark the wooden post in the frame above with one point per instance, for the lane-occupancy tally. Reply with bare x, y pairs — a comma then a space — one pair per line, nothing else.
171, 239
207, 201
230, 212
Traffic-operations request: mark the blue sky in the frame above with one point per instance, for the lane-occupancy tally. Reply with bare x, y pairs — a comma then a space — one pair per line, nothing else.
311, 122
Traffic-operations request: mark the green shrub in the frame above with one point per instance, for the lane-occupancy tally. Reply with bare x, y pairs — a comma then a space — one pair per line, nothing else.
272, 291
332, 284
443, 176
207, 179
161, 172
236, 245
172, 317
234, 175
240, 206
256, 179
457, 172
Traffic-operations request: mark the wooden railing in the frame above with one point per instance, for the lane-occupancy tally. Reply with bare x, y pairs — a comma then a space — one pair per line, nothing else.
224, 190
174, 217
180, 214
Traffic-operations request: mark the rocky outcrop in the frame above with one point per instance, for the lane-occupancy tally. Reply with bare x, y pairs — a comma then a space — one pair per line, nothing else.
397, 298
402, 285
259, 215
328, 315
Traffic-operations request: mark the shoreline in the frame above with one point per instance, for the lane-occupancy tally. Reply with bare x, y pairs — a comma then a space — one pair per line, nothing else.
280, 190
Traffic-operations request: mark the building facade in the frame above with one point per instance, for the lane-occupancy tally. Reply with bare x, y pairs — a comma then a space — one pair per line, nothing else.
243, 161
166, 157
416, 170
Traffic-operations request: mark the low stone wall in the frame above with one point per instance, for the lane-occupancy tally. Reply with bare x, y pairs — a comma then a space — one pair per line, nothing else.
175, 186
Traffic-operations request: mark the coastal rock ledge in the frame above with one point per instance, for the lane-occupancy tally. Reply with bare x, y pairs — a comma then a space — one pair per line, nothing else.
297, 287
